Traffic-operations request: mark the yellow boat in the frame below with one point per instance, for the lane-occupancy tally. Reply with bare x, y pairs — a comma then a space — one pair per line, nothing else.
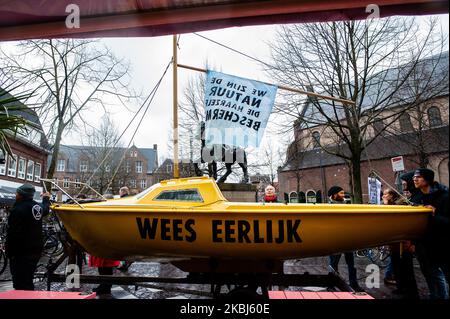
189, 219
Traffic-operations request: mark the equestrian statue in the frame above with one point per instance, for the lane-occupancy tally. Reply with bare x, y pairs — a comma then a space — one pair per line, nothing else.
220, 153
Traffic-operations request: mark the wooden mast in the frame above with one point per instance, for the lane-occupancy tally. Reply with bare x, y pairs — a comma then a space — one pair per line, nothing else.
176, 172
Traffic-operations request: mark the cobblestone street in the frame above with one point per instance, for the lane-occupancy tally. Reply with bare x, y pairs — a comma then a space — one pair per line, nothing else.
190, 291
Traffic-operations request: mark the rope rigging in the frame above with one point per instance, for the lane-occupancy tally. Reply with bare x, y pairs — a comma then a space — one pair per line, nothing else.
139, 124
150, 97
234, 50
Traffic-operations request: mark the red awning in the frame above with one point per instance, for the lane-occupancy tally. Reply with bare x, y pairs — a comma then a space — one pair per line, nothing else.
28, 19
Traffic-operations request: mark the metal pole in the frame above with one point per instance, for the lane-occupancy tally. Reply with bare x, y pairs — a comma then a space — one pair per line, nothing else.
176, 173
282, 87
324, 190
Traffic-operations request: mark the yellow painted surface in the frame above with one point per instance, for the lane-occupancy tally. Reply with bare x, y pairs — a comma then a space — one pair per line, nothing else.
141, 226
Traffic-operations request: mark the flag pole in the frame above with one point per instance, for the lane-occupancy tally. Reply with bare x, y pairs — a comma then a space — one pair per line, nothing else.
176, 172
283, 87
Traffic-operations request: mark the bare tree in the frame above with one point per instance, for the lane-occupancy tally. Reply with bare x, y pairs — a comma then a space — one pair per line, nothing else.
295, 155
69, 76
423, 126
105, 156
269, 161
368, 62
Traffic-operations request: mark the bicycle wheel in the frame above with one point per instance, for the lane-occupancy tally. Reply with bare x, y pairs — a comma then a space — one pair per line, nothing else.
373, 254
361, 253
52, 246
385, 253
3, 261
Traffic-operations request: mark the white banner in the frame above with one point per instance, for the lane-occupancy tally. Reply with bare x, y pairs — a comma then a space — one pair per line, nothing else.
374, 191
236, 109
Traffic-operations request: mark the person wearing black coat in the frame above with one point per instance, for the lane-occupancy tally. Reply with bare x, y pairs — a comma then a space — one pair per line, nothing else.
336, 195
24, 242
436, 241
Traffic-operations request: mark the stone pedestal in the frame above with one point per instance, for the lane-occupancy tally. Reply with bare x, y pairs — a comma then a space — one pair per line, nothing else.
235, 192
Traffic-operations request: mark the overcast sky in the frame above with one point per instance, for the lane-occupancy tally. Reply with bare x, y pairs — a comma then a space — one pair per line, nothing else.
149, 57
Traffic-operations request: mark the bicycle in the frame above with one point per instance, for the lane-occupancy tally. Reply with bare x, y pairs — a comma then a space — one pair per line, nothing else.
3, 258
53, 246
376, 255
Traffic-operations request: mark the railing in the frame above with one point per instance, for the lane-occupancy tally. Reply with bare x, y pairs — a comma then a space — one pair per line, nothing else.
54, 182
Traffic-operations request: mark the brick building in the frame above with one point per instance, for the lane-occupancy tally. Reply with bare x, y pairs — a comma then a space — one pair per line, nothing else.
165, 170
308, 175
30, 150
133, 167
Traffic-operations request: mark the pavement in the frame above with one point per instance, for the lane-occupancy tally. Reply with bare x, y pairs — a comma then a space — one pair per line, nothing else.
316, 265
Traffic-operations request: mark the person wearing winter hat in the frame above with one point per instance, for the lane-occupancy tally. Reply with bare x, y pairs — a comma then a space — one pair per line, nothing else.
408, 188
24, 244
336, 195
432, 249
25, 191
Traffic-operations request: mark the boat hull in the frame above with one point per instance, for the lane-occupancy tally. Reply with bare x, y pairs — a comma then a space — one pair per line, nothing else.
270, 232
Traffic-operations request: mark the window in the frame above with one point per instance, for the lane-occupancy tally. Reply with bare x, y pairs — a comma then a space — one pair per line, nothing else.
83, 166
133, 183
138, 167
66, 182
77, 180
12, 167
405, 123
293, 197
434, 116
133, 154
22, 168
3, 166
143, 184
30, 170
37, 173
127, 167
61, 165
186, 195
310, 197
169, 168
316, 139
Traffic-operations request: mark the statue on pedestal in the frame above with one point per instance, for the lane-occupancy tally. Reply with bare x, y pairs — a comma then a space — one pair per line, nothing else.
220, 153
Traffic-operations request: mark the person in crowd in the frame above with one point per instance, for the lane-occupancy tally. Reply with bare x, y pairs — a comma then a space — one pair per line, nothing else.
389, 278
125, 264
336, 195
24, 242
402, 255
269, 195
104, 266
124, 192
409, 190
431, 250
